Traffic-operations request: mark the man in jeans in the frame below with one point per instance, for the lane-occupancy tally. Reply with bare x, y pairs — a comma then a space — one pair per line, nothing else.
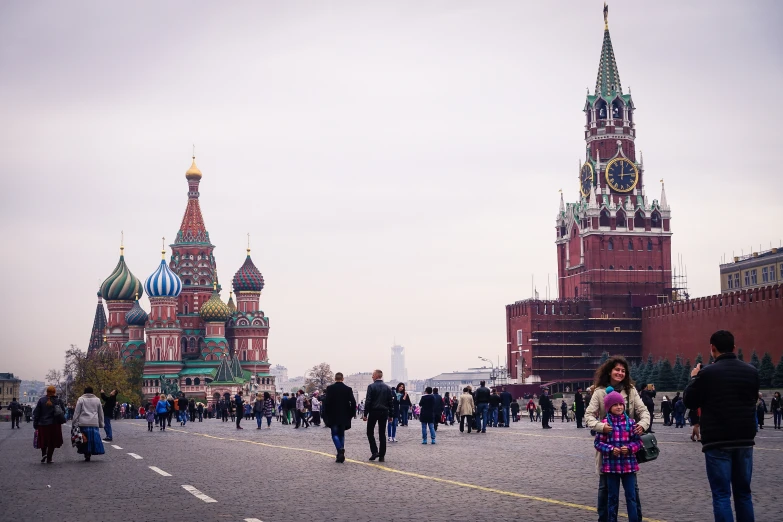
109, 402
481, 398
726, 391
378, 409
505, 401
339, 407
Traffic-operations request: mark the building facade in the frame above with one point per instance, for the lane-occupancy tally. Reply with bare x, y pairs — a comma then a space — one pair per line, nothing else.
755, 270
190, 341
9, 390
613, 250
455, 382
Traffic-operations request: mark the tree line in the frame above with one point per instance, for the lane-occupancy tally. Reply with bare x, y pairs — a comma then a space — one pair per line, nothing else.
667, 376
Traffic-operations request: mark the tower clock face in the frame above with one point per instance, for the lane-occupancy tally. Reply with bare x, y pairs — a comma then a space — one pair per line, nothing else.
586, 179
622, 175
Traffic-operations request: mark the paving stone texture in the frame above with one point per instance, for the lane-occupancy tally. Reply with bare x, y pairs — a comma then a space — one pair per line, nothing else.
517, 473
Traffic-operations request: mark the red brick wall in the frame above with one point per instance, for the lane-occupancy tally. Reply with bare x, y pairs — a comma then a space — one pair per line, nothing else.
755, 317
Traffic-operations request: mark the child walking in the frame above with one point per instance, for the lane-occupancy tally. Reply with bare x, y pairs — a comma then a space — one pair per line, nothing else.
150, 418
618, 449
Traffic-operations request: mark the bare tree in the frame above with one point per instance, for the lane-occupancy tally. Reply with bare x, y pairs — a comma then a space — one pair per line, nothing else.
318, 377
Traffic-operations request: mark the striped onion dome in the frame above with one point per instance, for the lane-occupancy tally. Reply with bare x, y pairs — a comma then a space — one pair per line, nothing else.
121, 285
136, 316
163, 282
214, 309
248, 278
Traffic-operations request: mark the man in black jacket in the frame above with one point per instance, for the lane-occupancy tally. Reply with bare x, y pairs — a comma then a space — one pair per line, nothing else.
109, 402
16, 412
437, 413
579, 407
338, 408
546, 408
505, 401
726, 391
481, 398
378, 406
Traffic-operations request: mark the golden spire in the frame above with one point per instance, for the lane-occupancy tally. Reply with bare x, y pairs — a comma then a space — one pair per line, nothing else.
163, 248
214, 285
122, 242
248, 243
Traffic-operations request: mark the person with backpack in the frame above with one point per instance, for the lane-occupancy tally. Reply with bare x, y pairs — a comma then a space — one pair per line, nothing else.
47, 423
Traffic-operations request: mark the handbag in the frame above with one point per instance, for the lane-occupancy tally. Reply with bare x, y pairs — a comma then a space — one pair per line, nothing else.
59, 414
649, 449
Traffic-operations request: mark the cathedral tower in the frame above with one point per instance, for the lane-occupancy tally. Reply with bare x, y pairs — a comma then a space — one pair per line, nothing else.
119, 289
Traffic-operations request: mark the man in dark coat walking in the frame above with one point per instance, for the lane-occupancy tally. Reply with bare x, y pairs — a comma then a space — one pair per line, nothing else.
437, 413
109, 403
546, 408
378, 408
338, 408
505, 402
579, 407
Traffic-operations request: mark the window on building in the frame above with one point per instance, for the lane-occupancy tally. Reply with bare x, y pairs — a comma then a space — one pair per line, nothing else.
772, 273
603, 219
186, 308
519, 338
621, 219
747, 278
576, 291
188, 382
649, 267
764, 275
736, 280
754, 279
649, 245
655, 220
780, 277
610, 245
730, 281
196, 381
630, 267
611, 267
630, 244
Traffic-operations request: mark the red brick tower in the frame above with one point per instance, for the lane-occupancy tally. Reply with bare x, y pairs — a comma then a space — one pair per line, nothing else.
613, 244
192, 260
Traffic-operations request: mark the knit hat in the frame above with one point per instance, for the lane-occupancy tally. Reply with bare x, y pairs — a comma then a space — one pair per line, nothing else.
612, 398
51, 390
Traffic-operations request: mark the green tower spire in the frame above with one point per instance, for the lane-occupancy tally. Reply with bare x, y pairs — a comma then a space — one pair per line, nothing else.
608, 80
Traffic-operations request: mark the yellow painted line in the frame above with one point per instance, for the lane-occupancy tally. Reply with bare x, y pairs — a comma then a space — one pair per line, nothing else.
414, 475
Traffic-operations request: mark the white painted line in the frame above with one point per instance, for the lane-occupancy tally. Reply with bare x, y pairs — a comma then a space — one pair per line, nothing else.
198, 494
253, 520
115, 447
159, 471
137, 457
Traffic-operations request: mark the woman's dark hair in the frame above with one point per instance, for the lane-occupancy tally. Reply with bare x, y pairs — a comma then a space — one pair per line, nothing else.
401, 384
266, 395
464, 390
88, 389
603, 373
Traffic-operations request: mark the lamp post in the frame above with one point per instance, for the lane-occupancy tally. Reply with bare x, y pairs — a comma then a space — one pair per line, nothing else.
492, 374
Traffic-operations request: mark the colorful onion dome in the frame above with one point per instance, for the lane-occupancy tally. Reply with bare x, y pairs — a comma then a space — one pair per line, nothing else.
121, 285
214, 309
248, 278
163, 282
193, 172
136, 316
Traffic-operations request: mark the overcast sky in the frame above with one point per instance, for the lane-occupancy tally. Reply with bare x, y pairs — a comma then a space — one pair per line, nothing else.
397, 164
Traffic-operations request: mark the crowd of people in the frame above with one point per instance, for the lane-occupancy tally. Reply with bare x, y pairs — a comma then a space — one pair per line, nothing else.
724, 408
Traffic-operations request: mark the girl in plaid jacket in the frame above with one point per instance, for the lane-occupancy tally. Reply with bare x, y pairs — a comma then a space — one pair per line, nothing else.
618, 450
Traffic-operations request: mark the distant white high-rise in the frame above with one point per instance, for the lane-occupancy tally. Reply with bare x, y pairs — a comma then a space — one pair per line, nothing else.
398, 371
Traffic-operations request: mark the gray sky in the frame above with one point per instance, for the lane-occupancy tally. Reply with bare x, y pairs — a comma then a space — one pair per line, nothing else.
396, 163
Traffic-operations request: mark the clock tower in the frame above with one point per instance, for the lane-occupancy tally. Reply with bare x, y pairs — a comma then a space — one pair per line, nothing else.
613, 243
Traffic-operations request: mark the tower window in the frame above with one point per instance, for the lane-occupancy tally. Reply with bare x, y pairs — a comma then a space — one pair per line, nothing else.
603, 219
610, 245
188, 382
655, 220
649, 267
611, 267
630, 244
197, 381
638, 221
621, 219
186, 308
630, 267
649, 245
576, 291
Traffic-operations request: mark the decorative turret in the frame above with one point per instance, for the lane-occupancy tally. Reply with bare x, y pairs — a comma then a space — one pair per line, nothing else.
214, 310
136, 316
231, 306
121, 285
98, 327
163, 282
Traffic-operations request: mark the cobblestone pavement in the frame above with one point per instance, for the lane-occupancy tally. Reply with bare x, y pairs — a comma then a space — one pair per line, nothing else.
282, 474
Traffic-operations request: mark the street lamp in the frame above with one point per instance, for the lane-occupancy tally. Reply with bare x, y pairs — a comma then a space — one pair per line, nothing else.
492, 375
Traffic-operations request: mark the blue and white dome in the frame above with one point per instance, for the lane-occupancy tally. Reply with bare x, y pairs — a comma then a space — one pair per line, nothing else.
163, 282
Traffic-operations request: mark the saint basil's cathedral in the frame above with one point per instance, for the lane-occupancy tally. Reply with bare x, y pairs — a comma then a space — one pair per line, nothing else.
190, 340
